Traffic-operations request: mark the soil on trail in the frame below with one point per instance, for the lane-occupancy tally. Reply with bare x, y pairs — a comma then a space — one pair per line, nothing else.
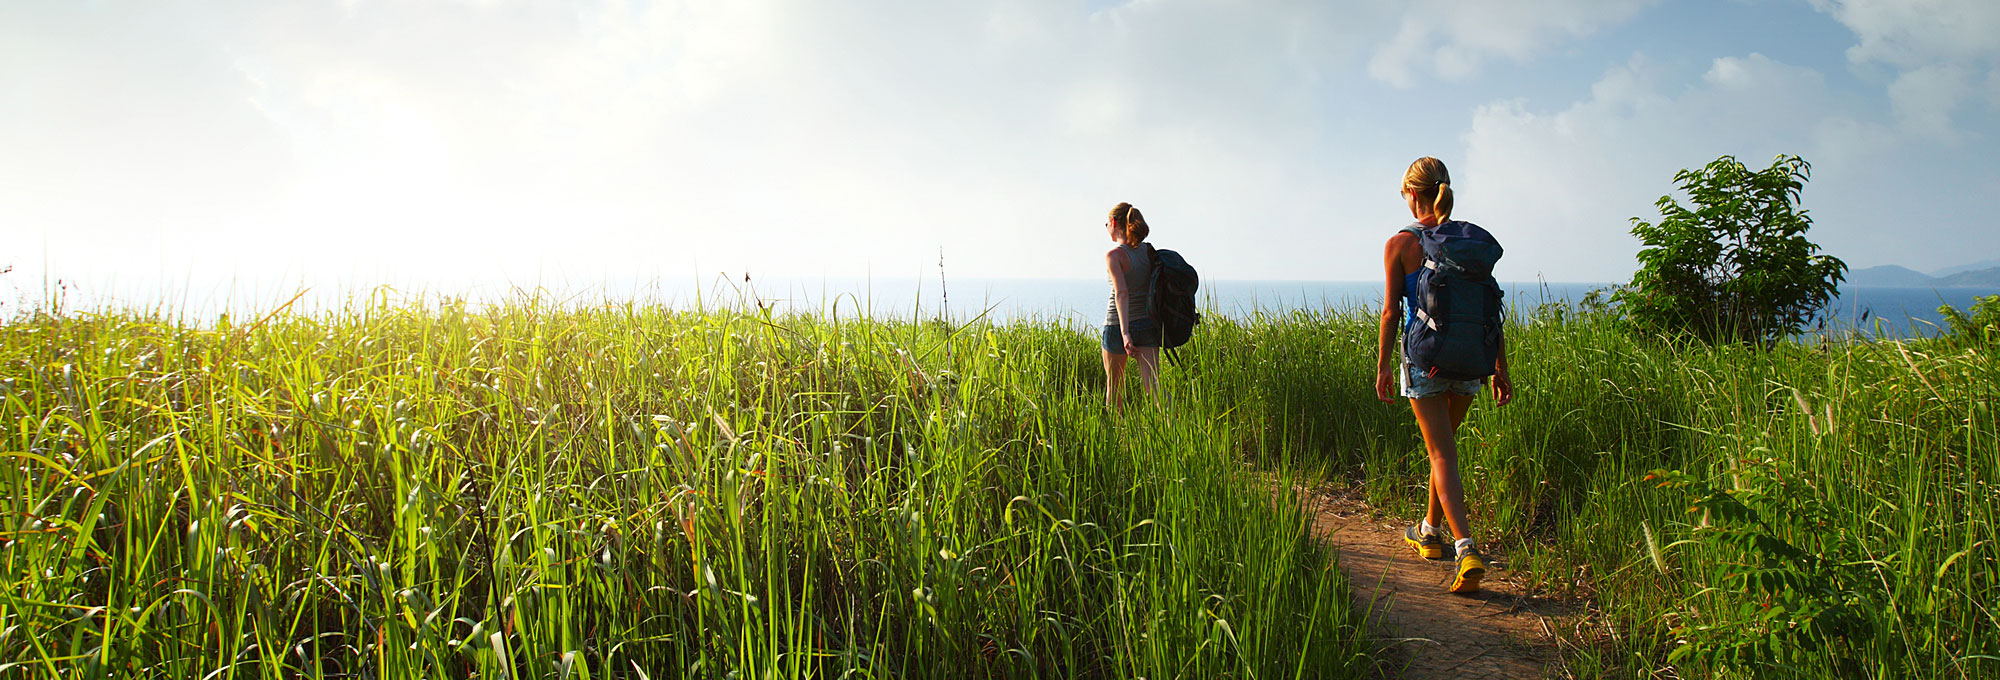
1501, 631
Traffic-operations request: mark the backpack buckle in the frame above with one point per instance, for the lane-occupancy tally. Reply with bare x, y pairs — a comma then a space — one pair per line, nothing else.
1427, 320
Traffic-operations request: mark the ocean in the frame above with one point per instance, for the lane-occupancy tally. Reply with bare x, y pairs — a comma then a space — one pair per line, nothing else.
1870, 310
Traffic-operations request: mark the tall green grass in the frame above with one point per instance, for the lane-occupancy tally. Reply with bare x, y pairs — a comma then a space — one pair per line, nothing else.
532, 490
1892, 448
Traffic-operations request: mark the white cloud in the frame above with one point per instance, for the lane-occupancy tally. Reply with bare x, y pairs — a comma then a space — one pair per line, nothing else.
1940, 48
477, 140
1924, 98
1455, 38
1916, 33
490, 141
501, 141
1606, 159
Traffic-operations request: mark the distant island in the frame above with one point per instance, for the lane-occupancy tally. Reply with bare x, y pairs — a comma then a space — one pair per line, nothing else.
1978, 275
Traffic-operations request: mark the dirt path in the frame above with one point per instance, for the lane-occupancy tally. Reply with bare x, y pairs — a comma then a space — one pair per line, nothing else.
1499, 632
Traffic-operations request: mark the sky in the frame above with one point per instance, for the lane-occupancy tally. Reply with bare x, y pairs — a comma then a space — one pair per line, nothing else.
171, 147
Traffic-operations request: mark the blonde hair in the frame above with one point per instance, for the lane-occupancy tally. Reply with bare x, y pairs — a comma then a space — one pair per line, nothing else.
1430, 183
1128, 220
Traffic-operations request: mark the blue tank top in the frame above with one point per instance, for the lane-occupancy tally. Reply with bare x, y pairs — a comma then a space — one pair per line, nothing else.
1409, 301
1410, 287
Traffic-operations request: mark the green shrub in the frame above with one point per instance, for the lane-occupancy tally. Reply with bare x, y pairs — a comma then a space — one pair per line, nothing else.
1778, 593
1736, 266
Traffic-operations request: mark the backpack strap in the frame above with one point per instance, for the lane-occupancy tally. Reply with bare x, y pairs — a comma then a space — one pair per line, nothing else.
1425, 319
1418, 229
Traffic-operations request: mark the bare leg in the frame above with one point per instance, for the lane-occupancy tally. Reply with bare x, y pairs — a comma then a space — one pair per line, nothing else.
1460, 404
1114, 381
1148, 359
1439, 418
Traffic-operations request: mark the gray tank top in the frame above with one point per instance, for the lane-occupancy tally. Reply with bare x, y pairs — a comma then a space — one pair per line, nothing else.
1138, 287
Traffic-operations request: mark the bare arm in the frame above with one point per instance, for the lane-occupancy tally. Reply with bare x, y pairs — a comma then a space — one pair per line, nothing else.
1392, 311
1503, 384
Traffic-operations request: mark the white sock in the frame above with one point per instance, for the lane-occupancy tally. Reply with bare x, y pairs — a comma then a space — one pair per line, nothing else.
1427, 528
1461, 545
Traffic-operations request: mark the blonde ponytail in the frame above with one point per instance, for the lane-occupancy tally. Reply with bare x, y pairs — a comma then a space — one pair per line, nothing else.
1430, 182
1441, 204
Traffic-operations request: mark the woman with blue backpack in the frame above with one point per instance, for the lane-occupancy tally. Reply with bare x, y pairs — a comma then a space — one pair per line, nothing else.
1129, 327
1442, 298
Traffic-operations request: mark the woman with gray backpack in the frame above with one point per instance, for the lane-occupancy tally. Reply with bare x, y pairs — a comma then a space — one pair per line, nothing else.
1441, 296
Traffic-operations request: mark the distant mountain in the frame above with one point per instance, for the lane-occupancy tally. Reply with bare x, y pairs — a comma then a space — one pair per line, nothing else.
1892, 276
1889, 275
1980, 278
1969, 267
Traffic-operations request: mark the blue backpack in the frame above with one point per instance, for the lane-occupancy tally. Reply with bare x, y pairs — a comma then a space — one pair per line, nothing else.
1457, 333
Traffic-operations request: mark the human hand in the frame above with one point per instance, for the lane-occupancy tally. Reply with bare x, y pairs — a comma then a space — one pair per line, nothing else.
1503, 389
1382, 380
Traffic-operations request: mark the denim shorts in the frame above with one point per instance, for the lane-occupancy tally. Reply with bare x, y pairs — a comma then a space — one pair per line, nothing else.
1145, 333
1416, 386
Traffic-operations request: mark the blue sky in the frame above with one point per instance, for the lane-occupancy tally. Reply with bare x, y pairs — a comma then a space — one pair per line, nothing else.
161, 146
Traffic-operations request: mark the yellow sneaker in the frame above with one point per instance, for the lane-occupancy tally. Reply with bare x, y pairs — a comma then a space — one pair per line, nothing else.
1430, 546
1471, 568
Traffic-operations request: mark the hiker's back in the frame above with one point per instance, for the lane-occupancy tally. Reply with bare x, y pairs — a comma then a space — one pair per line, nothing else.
1455, 317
